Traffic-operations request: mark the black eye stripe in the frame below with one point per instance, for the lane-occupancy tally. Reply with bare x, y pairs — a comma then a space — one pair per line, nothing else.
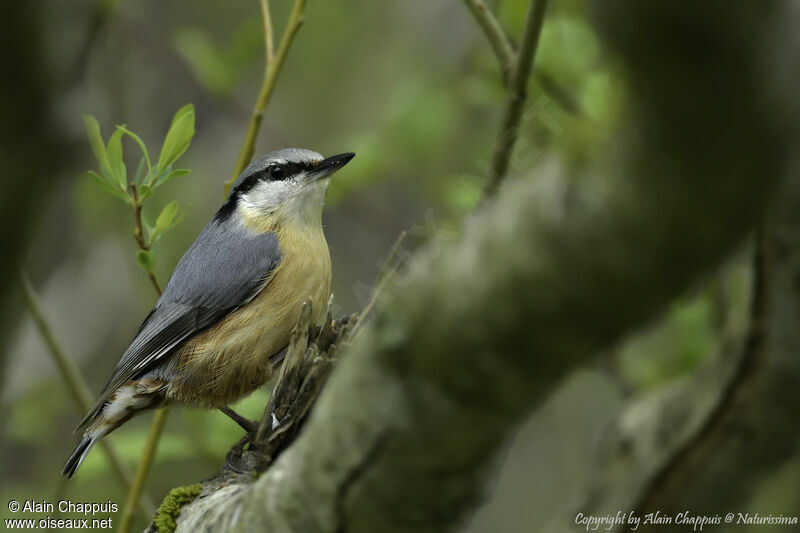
284, 171
289, 169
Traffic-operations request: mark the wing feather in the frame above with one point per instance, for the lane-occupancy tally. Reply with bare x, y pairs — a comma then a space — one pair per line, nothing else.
225, 268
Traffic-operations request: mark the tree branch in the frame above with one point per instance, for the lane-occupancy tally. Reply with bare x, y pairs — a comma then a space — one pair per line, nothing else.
405, 434
271, 72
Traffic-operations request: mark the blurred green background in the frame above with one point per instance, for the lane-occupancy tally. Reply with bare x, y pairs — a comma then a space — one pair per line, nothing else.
413, 88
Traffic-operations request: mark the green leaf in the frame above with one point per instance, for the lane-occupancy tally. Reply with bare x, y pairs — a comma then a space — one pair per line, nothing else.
108, 186
96, 142
116, 164
140, 142
178, 137
145, 259
164, 220
170, 174
137, 178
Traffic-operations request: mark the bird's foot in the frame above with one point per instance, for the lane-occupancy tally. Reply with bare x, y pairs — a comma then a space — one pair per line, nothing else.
238, 459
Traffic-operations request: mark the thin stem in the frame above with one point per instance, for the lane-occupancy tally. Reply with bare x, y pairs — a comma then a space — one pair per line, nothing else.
517, 95
138, 230
499, 41
143, 470
76, 386
154, 281
271, 73
269, 41
138, 234
388, 270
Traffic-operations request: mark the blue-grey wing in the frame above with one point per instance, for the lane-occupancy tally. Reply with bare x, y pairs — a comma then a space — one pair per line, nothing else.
225, 268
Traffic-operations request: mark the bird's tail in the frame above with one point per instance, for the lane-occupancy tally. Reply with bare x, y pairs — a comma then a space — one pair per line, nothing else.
131, 399
80, 452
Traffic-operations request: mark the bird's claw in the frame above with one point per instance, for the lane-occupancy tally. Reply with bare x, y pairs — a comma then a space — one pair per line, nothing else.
237, 459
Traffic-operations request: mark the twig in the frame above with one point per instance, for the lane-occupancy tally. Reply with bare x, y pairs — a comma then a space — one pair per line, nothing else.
269, 41
505, 50
77, 387
386, 273
143, 470
499, 41
271, 72
517, 95
138, 234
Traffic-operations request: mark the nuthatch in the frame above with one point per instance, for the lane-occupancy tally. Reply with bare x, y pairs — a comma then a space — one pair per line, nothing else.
219, 329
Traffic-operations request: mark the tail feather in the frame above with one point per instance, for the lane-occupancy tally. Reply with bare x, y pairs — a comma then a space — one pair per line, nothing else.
132, 398
78, 455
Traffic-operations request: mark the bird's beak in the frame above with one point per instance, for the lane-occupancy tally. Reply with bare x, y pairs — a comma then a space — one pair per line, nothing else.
329, 165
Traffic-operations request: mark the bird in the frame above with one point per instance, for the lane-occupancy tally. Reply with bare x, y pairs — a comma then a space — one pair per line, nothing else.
221, 325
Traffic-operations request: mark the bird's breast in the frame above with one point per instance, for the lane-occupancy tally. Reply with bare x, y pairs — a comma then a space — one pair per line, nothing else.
232, 358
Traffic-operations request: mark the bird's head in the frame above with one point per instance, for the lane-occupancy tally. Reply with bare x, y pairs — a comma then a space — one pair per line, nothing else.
284, 185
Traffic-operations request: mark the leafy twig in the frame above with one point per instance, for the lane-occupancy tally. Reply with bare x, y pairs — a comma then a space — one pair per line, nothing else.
77, 387
517, 95
271, 72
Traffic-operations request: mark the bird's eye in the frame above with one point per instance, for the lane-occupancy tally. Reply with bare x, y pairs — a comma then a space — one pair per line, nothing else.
276, 172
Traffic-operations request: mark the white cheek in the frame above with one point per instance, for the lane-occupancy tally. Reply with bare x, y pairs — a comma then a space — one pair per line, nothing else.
286, 200
267, 196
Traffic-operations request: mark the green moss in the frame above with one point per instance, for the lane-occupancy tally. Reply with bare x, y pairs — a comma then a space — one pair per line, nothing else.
170, 508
